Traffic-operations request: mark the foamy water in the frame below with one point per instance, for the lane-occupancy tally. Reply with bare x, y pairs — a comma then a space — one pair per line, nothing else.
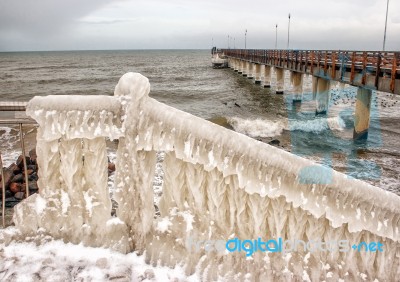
257, 127
8, 143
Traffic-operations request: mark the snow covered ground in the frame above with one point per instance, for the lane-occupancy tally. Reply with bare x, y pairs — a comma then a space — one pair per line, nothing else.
54, 260
45, 259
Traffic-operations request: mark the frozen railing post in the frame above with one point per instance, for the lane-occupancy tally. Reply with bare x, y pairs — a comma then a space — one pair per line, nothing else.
135, 166
73, 203
218, 185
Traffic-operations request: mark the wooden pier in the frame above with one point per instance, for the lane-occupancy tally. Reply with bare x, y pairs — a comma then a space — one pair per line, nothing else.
367, 70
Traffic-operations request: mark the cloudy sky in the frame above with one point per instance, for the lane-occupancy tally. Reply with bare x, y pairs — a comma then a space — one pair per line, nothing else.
195, 24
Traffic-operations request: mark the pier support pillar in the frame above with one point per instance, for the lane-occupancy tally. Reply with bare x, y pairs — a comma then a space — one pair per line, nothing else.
314, 86
245, 68
322, 95
297, 80
362, 114
267, 76
250, 72
280, 80
235, 65
240, 67
257, 75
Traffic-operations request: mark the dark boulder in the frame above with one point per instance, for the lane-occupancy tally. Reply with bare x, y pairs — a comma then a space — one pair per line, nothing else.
274, 142
32, 156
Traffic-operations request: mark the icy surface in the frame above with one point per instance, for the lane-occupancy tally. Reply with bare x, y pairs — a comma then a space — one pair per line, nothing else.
57, 261
217, 184
78, 116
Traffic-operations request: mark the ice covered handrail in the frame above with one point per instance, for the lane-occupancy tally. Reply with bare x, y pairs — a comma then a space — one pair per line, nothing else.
217, 185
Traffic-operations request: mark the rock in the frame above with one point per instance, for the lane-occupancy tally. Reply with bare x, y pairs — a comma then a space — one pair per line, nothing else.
18, 178
19, 195
20, 161
274, 142
33, 186
32, 156
8, 175
9, 194
14, 168
111, 167
32, 167
33, 177
16, 187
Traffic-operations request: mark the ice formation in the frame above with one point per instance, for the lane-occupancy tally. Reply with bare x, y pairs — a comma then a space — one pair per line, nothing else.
218, 184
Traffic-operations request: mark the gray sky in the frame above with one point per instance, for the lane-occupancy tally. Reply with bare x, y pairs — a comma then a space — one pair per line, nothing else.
157, 24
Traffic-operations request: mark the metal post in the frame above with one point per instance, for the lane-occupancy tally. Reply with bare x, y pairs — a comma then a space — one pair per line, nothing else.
245, 39
3, 199
234, 43
288, 33
21, 135
276, 36
384, 35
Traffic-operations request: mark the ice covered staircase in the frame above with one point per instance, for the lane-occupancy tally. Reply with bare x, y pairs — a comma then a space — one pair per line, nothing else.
218, 185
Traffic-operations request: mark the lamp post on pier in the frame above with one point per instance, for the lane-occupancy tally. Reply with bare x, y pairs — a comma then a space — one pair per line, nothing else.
276, 36
245, 39
384, 35
288, 30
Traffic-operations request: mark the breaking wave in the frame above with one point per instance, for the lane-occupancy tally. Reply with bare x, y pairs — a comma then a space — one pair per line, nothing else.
268, 128
256, 127
317, 125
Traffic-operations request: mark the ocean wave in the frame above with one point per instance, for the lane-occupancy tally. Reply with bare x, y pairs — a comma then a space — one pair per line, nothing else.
256, 127
268, 128
316, 125
55, 67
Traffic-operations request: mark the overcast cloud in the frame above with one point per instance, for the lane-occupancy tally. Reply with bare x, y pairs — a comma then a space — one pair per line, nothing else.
194, 24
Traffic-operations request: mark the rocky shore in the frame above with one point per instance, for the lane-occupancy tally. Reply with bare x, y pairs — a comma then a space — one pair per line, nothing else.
14, 179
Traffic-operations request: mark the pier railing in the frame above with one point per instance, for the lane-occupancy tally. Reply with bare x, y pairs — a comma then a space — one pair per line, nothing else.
218, 185
372, 69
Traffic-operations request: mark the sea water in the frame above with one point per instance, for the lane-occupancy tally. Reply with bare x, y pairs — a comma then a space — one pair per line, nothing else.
185, 79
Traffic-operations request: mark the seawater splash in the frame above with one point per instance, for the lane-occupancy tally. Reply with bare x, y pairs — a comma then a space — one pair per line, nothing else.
268, 128
8, 141
256, 127
217, 184
316, 125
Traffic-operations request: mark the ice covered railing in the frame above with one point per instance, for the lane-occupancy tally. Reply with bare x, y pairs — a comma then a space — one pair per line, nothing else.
218, 185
